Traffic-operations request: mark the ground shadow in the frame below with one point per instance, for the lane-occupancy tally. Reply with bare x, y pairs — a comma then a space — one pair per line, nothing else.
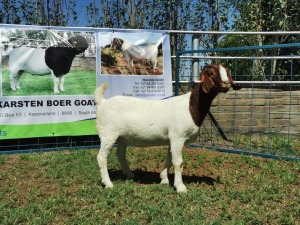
145, 177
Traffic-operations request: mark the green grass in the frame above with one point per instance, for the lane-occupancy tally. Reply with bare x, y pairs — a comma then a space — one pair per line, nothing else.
270, 143
77, 82
63, 187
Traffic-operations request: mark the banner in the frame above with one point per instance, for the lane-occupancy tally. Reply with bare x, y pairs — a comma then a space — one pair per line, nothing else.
49, 76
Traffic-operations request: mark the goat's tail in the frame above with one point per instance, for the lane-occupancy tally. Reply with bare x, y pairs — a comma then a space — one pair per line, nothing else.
99, 94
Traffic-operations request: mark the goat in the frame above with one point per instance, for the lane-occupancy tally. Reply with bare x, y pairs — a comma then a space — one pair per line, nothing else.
56, 61
139, 122
130, 51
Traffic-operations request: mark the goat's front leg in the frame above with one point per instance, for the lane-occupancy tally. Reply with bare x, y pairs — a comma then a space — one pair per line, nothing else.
61, 82
121, 155
165, 172
55, 82
154, 63
176, 150
104, 151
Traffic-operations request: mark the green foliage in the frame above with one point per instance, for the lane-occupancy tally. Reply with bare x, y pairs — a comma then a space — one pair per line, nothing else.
41, 12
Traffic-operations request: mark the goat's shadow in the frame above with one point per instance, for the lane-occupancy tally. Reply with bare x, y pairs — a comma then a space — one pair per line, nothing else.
145, 177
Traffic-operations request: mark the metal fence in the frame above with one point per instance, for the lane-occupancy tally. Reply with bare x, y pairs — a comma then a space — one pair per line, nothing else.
261, 119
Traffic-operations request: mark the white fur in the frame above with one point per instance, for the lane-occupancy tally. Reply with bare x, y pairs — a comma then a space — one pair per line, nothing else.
31, 60
142, 122
140, 52
223, 74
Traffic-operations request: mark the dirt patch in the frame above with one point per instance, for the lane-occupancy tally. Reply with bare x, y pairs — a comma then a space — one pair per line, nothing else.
114, 63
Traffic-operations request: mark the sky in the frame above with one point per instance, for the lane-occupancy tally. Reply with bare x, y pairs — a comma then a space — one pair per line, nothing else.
81, 10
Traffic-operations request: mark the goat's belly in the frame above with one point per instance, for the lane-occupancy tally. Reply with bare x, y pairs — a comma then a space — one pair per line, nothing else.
36, 64
40, 72
139, 141
37, 69
192, 138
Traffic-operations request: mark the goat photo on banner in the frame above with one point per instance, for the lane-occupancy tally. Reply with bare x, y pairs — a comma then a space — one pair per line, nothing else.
136, 63
68, 58
131, 53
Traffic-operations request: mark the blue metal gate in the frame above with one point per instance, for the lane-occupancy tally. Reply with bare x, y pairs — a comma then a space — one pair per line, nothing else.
263, 118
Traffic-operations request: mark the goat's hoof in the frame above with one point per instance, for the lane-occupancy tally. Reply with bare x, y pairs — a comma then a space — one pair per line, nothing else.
164, 181
181, 188
109, 185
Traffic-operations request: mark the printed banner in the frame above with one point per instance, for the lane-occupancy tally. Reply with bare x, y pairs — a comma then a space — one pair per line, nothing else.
136, 64
49, 76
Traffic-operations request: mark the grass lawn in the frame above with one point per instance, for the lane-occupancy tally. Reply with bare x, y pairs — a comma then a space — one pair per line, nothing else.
77, 82
63, 187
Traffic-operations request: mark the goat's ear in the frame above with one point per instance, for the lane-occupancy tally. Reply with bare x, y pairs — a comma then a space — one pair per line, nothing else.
206, 82
236, 87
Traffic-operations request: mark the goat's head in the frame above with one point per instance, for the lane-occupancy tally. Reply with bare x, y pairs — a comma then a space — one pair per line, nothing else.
79, 42
117, 43
216, 77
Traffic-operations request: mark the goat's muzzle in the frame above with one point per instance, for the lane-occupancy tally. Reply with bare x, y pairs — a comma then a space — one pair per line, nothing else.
225, 86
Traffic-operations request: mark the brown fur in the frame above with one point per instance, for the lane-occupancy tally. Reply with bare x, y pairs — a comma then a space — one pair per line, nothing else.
204, 93
117, 43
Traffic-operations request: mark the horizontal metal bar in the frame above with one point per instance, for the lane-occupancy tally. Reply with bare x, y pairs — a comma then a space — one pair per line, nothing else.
249, 82
238, 57
242, 152
239, 48
143, 30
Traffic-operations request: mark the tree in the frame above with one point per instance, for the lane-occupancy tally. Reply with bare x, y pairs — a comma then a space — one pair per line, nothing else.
39, 12
264, 15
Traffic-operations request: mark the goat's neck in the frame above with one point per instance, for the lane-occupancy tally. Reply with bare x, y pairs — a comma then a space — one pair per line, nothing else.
200, 103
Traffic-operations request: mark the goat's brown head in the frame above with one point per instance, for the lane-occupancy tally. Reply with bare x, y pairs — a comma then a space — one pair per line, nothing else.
117, 43
216, 77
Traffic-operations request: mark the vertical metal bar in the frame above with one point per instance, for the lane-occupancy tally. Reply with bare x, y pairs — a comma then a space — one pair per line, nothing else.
290, 105
251, 103
269, 132
234, 103
177, 73
195, 62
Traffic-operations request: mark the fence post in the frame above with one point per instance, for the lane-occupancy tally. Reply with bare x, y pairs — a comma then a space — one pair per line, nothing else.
195, 62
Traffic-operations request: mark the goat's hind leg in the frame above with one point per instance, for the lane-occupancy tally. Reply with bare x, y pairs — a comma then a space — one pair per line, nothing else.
176, 151
14, 78
104, 151
121, 155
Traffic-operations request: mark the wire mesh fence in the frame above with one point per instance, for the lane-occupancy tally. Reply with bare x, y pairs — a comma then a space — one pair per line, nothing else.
263, 117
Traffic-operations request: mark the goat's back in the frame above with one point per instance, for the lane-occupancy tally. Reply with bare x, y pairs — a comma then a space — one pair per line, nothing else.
143, 51
145, 122
29, 59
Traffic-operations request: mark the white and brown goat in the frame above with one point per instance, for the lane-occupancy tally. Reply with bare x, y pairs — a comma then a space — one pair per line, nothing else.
174, 122
146, 51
